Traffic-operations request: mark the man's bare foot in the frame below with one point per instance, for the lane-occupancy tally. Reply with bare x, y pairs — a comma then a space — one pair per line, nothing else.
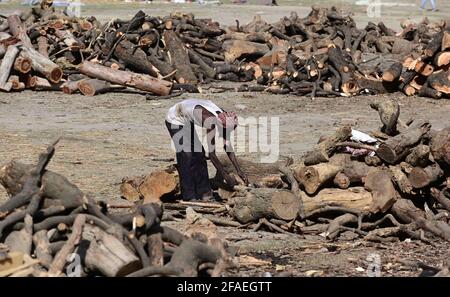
208, 196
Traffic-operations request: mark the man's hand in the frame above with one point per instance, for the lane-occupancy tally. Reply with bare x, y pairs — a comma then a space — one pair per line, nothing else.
244, 177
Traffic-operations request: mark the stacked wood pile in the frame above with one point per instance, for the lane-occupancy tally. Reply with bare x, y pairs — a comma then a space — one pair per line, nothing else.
394, 188
322, 54
49, 227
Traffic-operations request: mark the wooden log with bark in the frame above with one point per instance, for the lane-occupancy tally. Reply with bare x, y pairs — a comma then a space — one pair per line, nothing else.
138, 81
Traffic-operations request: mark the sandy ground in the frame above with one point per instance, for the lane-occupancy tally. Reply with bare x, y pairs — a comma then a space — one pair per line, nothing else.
108, 137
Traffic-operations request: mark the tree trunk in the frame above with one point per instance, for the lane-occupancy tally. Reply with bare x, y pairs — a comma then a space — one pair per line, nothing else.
266, 203
313, 177
134, 58
57, 188
396, 148
135, 80
42, 64
378, 182
179, 58
356, 198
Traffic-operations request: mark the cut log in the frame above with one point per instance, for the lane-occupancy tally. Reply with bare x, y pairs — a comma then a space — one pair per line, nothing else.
389, 111
426, 91
352, 173
422, 177
393, 72
315, 176
42, 64
401, 180
419, 156
266, 203
440, 81
92, 87
378, 182
346, 70
179, 58
235, 49
134, 58
324, 149
22, 65
440, 146
57, 188
423, 68
135, 80
70, 87
19, 30
397, 147
442, 59
356, 198
105, 253
259, 174
6, 66
158, 184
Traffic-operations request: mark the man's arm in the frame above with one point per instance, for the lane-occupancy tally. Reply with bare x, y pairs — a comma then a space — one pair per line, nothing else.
215, 160
232, 156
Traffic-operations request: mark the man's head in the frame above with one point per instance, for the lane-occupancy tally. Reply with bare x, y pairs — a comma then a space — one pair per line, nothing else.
228, 120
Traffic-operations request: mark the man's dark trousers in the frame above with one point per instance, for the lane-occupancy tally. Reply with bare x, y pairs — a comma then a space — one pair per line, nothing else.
191, 160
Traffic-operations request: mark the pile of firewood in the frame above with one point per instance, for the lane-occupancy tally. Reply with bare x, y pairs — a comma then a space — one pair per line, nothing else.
322, 54
394, 187
50, 228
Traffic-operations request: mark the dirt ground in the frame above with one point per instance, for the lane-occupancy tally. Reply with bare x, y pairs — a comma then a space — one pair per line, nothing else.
108, 137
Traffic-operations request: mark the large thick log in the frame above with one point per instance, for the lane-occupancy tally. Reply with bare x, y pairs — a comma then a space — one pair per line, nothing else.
104, 253
324, 149
378, 182
134, 58
440, 146
22, 65
352, 173
266, 203
313, 177
21, 241
235, 49
179, 58
57, 188
258, 174
422, 177
356, 198
92, 87
152, 187
397, 147
42, 64
138, 81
